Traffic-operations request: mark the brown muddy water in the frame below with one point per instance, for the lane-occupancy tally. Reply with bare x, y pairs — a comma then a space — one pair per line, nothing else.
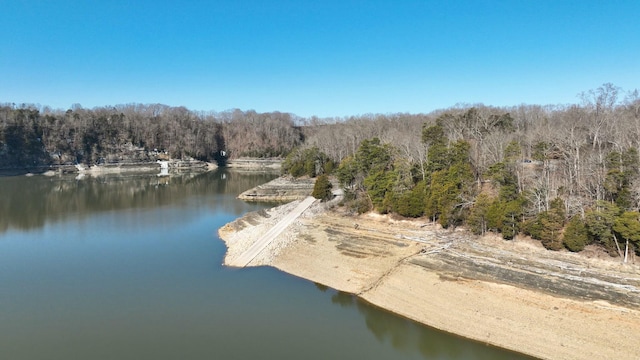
129, 267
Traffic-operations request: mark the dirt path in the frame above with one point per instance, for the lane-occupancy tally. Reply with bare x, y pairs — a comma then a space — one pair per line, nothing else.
245, 258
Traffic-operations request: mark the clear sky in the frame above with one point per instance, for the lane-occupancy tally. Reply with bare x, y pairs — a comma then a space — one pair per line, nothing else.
320, 57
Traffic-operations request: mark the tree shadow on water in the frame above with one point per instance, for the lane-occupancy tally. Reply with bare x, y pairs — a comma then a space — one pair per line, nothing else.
410, 337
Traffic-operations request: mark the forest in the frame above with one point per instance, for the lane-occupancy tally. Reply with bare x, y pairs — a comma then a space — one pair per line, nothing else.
31, 136
567, 175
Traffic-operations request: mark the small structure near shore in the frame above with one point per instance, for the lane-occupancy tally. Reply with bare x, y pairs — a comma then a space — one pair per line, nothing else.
164, 168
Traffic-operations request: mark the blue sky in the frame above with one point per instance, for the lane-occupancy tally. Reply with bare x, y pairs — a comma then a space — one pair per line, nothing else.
324, 58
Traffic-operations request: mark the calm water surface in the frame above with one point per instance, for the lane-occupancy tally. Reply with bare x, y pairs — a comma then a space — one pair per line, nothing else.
128, 267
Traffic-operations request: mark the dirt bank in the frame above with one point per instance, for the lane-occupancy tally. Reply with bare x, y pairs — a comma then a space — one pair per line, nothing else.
515, 295
282, 189
255, 164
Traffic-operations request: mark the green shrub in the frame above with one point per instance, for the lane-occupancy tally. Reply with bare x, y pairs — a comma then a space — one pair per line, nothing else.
411, 203
311, 162
576, 236
322, 188
477, 221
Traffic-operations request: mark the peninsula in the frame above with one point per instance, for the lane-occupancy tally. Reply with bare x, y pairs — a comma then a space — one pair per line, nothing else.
511, 294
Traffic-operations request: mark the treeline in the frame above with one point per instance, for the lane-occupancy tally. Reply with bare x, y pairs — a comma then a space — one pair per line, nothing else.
567, 175
33, 136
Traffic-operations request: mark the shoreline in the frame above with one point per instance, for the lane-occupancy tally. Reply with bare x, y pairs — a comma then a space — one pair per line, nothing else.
240, 164
280, 190
381, 261
112, 168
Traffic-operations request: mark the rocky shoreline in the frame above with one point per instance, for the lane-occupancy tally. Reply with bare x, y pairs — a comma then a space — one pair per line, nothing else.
282, 189
241, 164
515, 295
111, 168
255, 164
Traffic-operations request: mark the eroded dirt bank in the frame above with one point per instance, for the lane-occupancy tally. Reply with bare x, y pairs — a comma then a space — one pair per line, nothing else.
515, 295
282, 189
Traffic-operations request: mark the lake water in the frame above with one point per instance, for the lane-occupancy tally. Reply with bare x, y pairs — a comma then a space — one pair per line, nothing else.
129, 267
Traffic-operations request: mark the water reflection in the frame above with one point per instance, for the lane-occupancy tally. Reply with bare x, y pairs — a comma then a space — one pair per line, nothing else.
409, 337
129, 268
30, 202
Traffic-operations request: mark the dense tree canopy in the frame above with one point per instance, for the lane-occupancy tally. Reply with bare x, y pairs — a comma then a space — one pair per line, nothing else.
32, 136
566, 175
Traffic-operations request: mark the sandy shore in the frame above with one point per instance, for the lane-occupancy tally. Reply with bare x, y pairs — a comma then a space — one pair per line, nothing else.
381, 260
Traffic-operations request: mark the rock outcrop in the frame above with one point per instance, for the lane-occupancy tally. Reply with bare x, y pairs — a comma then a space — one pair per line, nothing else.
282, 189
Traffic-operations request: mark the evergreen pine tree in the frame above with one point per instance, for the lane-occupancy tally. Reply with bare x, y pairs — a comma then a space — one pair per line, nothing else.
322, 188
575, 236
